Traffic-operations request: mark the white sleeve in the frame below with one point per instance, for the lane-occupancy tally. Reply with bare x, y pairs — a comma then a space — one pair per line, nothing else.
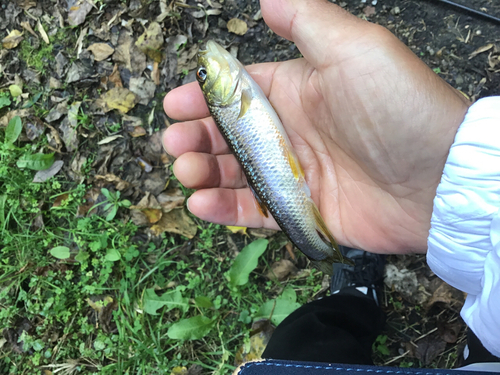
464, 240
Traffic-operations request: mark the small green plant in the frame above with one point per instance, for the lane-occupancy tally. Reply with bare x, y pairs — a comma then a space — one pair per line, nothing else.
380, 347
113, 203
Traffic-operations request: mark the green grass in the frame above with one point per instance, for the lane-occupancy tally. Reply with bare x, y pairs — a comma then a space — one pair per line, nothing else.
118, 304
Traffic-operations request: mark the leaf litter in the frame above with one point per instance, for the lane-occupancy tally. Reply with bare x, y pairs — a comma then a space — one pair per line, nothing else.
103, 82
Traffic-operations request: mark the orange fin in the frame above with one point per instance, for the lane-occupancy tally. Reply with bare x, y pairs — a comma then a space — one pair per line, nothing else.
327, 236
260, 205
297, 170
246, 100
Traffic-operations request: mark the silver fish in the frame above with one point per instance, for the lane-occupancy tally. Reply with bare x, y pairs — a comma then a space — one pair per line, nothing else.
259, 141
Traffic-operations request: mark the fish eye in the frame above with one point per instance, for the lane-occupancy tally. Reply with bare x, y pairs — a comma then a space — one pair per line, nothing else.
201, 74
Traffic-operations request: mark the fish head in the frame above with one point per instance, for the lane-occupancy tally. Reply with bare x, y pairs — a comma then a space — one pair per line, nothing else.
218, 74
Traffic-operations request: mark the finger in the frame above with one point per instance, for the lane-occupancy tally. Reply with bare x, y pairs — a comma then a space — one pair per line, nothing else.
229, 207
200, 171
314, 25
194, 136
187, 103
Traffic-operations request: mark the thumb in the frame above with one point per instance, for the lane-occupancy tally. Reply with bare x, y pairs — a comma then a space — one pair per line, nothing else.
317, 27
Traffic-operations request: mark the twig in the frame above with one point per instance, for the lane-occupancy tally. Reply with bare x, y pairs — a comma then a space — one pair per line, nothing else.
396, 358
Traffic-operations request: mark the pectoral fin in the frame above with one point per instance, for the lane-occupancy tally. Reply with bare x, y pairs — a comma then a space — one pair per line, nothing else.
260, 205
246, 100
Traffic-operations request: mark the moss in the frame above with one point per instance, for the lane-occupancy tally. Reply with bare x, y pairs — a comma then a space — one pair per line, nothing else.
37, 59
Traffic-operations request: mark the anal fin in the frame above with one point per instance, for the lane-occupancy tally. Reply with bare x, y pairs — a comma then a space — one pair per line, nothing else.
327, 236
260, 205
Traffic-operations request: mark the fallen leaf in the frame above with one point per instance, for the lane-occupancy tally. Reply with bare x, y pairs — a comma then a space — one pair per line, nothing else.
176, 221
482, 49
281, 270
147, 211
26, 25
143, 88
117, 181
137, 131
429, 348
237, 26
12, 40
109, 139
101, 51
42, 176
170, 199
34, 127
261, 333
235, 230
42, 32
151, 42
115, 77
448, 296
187, 59
120, 98
128, 54
4, 120
77, 11
262, 232
90, 200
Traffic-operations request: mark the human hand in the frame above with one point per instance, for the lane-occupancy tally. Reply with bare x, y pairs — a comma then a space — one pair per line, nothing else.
371, 124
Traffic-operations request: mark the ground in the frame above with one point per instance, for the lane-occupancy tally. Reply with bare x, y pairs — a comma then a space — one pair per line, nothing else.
102, 269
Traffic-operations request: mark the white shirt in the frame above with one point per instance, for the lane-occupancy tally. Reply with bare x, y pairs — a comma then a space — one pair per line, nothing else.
464, 240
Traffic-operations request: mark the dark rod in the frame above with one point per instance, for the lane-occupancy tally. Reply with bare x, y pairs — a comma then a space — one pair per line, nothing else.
470, 10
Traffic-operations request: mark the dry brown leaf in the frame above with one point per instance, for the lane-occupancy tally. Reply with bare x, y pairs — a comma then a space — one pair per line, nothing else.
262, 232
42, 32
281, 270
260, 335
117, 181
127, 53
26, 4
170, 199
137, 131
482, 49
77, 11
4, 120
237, 26
101, 51
26, 26
115, 77
90, 200
148, 211
187, 59
176, 221
151, 42
120, 98
60, 199
13, 39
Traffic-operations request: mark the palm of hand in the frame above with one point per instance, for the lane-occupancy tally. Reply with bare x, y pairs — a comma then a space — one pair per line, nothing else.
367, 130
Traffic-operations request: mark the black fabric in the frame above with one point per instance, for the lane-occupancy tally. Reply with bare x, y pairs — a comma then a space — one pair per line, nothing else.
340, 328
477, 352
278, 367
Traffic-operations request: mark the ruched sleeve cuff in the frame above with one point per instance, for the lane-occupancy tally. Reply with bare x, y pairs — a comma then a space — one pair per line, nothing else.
464, 240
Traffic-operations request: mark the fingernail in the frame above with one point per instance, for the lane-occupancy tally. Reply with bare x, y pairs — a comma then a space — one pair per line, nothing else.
187, 205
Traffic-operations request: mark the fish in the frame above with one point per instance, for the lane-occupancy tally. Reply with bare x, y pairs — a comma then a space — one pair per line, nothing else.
257, 138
